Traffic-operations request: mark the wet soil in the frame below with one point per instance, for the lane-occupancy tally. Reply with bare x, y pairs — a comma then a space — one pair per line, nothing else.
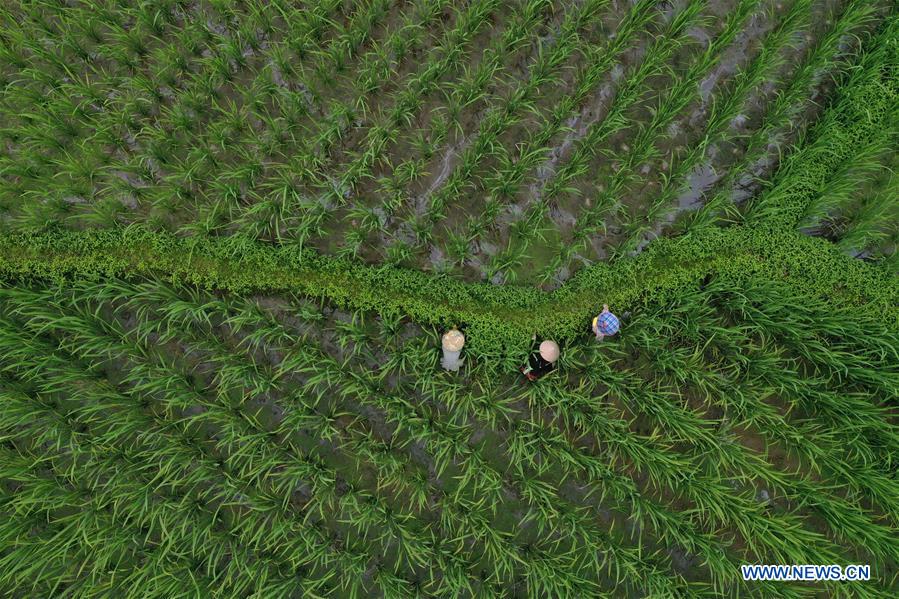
150, 163
356, 348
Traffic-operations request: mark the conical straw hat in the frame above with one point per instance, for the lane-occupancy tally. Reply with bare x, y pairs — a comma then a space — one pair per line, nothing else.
549, 351
453, 340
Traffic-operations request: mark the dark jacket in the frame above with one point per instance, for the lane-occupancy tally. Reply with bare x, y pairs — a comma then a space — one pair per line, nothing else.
538, 365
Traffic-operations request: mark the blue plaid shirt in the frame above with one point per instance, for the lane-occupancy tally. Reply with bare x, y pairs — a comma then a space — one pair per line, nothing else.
607, 323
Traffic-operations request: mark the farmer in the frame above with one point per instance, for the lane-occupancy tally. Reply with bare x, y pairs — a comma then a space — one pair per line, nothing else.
541, 361
452, 342
605, 323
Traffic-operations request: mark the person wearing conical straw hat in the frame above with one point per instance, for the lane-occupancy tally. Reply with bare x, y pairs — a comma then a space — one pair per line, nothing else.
541, 361
605, 324
452, 342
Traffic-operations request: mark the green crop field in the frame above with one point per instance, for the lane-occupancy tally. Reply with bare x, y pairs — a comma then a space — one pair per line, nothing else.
232, 233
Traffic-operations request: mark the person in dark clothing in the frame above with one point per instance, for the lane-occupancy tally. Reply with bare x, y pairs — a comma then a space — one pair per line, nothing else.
541, 361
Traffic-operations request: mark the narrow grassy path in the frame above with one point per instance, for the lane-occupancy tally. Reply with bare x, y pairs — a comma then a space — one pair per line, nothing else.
499, 320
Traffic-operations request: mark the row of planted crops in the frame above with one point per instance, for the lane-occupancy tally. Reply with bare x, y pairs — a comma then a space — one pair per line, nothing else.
506, 142
182, 443
215, 381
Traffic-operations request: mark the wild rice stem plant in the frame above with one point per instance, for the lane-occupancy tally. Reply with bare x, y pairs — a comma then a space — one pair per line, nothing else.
341, 50
179, 100
833, 356
472, 466
378, 65
707, 492
670, 526
212, 471
214, 414
500, 117
866, 531
867, 414
378, 60
358, 392
862, 110
408, 99
733, 342
630, 92
871, 224
707, 505
178, 104
48, 547
676, 97
862, 164
724, 109
821, 60
111, 485
598, 60
860, 465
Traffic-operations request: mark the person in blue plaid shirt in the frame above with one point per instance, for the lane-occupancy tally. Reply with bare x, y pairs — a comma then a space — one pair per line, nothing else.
605, 324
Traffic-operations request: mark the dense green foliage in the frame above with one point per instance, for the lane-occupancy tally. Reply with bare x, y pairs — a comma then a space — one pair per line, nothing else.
500, 142
500, 319
862, 124
228, 445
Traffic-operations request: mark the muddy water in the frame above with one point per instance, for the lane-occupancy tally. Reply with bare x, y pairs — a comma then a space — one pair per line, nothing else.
448, 151
438, 395
763, 169
687, 129
561, 216
488, 441
721, 155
